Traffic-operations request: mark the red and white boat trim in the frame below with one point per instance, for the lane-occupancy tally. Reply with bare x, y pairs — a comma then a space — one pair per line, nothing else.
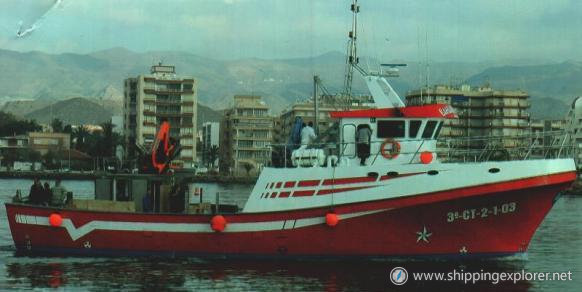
466, 221
324, 187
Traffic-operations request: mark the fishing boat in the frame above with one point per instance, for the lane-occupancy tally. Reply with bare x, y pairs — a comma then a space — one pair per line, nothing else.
392, 195
401, 201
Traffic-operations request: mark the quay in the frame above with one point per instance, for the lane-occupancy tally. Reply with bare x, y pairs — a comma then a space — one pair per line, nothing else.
94, 175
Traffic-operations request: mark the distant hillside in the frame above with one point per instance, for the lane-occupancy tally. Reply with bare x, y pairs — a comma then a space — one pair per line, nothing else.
74, 111
548, 108
83, 111
206, 114
281, 82
561, 81
20, 108
552, 87
99, 76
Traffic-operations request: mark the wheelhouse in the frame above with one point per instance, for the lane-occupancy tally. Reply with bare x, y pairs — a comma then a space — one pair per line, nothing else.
407, 131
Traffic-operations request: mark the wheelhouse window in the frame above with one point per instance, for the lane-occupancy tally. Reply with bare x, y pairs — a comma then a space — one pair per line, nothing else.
413, 128
390, 129
429, 129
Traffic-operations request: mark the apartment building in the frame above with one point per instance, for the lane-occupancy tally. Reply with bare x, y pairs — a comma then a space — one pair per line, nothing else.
246, 133
306, 111
44, 142
161, 95
210, 140
483, 113
20, 141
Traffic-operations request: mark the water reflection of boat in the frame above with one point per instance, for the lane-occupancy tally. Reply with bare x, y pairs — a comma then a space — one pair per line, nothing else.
248, 275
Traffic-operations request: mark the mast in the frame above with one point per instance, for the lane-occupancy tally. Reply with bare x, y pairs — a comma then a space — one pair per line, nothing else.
382, 92
315, 105
352, 54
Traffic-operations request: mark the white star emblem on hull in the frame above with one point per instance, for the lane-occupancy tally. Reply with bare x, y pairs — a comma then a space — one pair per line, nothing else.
423, 235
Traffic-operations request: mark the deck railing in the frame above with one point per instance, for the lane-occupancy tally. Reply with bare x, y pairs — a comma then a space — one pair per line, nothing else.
546, 145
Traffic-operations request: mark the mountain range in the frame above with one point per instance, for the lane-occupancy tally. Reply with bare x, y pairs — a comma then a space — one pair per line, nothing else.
82, 111
99, 76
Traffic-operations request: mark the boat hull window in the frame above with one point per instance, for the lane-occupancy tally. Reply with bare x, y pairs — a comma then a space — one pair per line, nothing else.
429, 129
390, 129
413, 128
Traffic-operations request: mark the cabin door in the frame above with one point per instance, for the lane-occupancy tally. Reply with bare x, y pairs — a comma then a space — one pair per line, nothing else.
348, 145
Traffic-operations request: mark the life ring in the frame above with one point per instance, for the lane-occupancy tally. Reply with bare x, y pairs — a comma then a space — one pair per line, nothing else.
392, 153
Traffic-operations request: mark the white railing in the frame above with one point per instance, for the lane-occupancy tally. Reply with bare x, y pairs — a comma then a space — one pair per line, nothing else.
546, 145
541, 145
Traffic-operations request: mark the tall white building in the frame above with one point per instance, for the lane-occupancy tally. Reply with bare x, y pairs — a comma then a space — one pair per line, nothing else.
210, 138
161, 95
117, 122
246, 136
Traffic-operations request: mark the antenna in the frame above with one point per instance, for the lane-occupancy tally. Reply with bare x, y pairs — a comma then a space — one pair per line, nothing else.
352, 54
427, 63
419, 63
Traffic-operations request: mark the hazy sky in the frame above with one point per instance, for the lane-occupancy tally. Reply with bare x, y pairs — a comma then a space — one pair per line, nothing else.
462, 30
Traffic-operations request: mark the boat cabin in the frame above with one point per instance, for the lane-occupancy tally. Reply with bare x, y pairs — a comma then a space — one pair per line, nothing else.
384, 136
397, 135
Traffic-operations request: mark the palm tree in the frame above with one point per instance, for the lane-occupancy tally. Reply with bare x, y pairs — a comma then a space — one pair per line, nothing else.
107, 139
49, 159
248, 167
68, 129
212, 155
57, 126
81, 133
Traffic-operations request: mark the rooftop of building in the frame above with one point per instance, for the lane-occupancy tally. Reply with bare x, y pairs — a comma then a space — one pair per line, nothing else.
23, 137
49, 135
249, 101
162, 69
162, 72
328, 103
466, 90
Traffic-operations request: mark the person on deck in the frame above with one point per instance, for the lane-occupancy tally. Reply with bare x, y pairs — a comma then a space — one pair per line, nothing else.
47, 194
59, 194
307, 135
363, 136
35, 194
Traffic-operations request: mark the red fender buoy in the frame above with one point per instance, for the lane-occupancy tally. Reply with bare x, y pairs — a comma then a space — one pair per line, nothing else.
55, 220
331, 219
218, 223
426, 157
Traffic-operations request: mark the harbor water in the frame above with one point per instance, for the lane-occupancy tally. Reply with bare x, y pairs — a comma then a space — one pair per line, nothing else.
556, 247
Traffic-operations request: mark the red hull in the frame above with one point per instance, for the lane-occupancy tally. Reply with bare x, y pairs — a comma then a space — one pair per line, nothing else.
482, 220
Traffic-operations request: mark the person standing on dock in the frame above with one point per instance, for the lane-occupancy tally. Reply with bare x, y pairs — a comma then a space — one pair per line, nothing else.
59, 194
35, 195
